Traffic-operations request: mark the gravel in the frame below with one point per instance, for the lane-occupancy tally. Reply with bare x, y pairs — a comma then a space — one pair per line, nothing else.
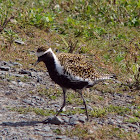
16, 93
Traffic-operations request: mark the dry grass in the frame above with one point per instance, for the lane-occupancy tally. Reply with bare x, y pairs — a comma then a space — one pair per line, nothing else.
92, 131
112, 43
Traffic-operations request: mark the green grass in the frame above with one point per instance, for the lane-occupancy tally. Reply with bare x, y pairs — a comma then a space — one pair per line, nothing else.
57, 131
73, 97
38, 111
110, 32
100, 112
75, 111
133, 120
106, 31
105, 132
51, 93
25, 78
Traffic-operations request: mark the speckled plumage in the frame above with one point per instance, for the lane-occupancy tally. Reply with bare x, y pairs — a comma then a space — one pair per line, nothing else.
77, 65
70, 71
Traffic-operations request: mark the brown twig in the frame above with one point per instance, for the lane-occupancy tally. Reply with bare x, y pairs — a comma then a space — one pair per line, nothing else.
4, 24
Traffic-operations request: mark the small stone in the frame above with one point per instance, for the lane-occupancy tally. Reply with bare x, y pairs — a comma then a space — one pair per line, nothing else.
31, 139
88, 107
61, 137
16, 63
46, 128
73, 121
8, 93
11, 86
14, 83
4, 68
32, 52
119, 121
39, 79
33, 74
9, 64
25, 72
2, 76
43, 134
32, 83
19, 42
82, 119
133, 126
110, 122
40, 73
22, 84
56, 105
16, 75
29, 102
66, 119
54, 120
3, 72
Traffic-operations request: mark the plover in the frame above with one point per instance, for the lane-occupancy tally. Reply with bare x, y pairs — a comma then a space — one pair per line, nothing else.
70, 71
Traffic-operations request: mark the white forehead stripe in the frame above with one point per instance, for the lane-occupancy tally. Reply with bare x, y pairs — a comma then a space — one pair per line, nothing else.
42, 53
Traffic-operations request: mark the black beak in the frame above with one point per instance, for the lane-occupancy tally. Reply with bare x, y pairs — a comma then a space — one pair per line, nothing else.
36, 62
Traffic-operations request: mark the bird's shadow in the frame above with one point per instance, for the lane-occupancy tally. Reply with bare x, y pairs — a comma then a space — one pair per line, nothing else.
22, 123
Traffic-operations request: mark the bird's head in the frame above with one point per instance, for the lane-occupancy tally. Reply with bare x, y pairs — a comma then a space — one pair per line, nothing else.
41, 51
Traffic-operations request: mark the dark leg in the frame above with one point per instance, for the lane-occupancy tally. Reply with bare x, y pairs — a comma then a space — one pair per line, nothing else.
84, 102
64, 102
49, 120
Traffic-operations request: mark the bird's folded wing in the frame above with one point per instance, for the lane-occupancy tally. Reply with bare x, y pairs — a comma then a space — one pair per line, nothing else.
77, 65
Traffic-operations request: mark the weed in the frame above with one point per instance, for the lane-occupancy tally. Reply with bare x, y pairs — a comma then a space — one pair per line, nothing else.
105, 132
51, 93
133, 120
73, 98
118, 109
109, 34
77, 131
57, 131
98, 112
38, 111
75, 111
10, 35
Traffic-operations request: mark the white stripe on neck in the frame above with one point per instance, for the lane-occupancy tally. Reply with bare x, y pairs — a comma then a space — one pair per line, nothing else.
42, 53
59, 68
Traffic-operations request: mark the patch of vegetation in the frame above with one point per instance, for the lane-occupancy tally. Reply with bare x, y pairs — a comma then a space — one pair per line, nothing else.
74, 97
51, 93
118, 109
75, 111
106, 132
25, 78
108, 35
57, 131
100, 112
133, 120
79, 131
38, 111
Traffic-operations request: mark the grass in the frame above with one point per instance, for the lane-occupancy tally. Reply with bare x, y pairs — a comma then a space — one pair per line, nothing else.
133, 120
105, 132
51, 93
111, 109
109, 36
38, 111
23, 78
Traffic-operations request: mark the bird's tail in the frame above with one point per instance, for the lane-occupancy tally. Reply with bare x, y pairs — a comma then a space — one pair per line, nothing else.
108, 76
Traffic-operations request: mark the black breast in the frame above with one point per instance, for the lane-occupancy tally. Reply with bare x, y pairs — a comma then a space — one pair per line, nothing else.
61, 80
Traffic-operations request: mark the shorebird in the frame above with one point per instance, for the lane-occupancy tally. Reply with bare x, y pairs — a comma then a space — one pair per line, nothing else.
70, 71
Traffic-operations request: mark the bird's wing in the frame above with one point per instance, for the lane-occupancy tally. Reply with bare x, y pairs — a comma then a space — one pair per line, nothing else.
77, 65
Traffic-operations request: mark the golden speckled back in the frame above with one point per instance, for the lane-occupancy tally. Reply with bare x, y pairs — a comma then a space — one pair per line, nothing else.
78, 65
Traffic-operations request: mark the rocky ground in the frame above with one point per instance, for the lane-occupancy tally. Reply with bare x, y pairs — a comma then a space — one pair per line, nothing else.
18, 89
